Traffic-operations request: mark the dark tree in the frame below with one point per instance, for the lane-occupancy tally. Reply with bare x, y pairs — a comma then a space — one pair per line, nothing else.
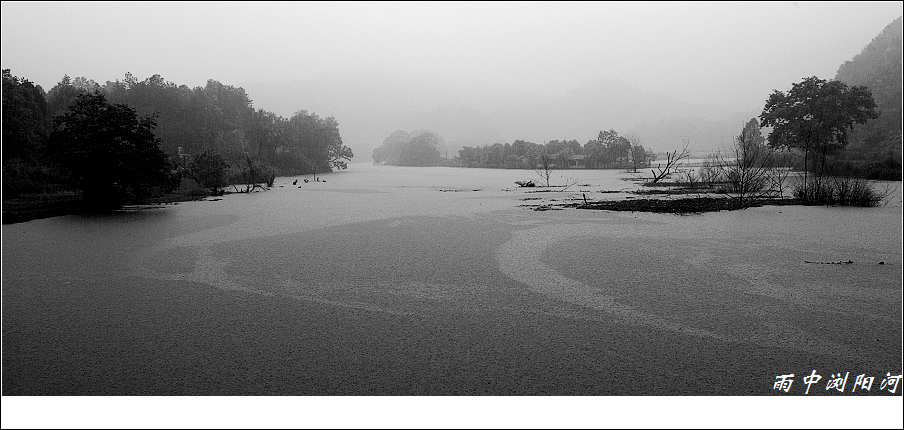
111, 154
816, 116
24, 118
216, 117
209, 170
221, 118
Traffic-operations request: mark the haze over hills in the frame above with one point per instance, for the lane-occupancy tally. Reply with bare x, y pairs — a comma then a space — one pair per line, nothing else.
476, 74
878, 67
474, 113
503, 115
466, 111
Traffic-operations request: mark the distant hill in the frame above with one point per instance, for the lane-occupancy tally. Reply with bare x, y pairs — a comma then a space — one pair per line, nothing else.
878, 67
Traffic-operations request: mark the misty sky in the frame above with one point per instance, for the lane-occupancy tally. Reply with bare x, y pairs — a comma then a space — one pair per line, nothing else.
476, 73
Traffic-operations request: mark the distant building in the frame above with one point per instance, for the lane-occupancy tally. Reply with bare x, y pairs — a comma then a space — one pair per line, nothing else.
576, 162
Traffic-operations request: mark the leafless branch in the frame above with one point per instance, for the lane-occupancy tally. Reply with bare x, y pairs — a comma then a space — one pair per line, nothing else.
671, 161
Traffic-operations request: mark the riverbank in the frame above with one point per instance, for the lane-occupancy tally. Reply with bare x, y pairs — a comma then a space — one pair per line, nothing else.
30, 207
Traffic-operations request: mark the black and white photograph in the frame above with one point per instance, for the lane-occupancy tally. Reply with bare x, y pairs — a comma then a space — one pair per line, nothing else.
451, 214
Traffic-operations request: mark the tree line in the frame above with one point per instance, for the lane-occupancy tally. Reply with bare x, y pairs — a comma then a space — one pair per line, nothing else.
197, 130
608, 151
417, 148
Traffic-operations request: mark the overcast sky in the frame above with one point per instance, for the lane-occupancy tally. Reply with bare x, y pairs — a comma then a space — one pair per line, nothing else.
489, 69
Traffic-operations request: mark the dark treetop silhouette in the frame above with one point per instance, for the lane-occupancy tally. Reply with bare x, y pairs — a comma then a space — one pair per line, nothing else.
109, 152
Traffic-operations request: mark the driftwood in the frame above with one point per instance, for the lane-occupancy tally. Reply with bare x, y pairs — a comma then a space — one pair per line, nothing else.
248, 188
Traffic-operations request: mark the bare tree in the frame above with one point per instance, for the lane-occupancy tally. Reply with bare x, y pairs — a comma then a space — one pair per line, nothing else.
710, 172
672, 160
252, 175
747, 173
751, 173
777, 180
691, 179
544, 170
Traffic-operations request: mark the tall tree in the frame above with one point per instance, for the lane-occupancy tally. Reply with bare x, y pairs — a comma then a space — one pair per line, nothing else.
111, 153
816, 116
751, 135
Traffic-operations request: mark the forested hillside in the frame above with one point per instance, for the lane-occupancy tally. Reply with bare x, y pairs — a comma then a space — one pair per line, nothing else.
878, 67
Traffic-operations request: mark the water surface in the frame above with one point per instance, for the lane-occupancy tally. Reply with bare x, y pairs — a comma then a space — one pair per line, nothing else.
392, 280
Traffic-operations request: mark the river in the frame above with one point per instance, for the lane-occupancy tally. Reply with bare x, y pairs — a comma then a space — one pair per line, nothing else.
394, 280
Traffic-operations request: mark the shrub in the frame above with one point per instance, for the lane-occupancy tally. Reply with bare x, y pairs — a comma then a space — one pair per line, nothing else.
710, 172
856, 192
841, 191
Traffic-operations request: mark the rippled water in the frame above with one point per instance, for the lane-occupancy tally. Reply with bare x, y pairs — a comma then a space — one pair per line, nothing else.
402, 254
